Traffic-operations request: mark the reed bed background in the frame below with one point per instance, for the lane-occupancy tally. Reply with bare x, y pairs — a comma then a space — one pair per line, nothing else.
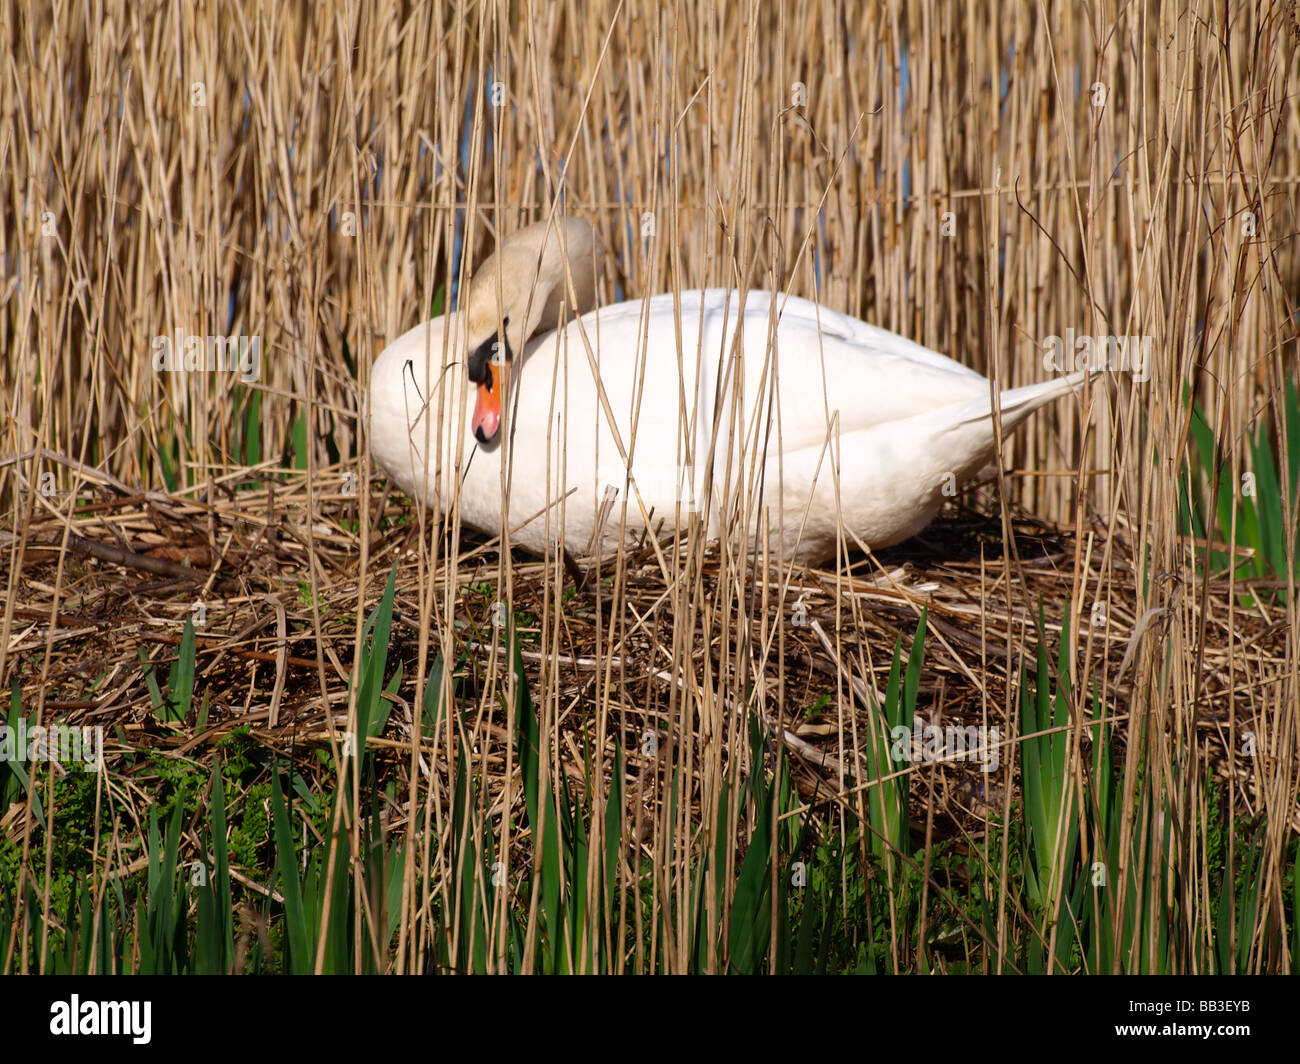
677, 764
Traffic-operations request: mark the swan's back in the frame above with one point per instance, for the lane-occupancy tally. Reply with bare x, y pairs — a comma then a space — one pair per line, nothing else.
828, 367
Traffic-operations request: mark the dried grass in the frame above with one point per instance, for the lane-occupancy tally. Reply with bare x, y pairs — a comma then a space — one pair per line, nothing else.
307, 174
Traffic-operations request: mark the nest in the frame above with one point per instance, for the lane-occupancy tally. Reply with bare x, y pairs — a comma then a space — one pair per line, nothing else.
615, 650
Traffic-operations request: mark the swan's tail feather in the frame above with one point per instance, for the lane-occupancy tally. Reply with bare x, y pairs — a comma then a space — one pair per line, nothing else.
1018, 403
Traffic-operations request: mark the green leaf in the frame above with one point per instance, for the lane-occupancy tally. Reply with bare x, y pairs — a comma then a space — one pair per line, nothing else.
298, 440
253, 428
180, 681
372, 708
300, 954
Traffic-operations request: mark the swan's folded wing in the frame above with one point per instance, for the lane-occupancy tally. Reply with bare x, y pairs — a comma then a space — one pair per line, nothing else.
863, 376
826, 364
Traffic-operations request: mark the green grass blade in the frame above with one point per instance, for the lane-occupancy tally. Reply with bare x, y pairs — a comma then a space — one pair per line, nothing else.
300, 959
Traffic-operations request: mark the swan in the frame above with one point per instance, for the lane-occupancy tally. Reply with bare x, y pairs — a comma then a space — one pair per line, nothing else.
587, 427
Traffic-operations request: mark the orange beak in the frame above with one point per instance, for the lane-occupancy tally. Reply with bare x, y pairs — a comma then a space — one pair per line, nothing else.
489, 401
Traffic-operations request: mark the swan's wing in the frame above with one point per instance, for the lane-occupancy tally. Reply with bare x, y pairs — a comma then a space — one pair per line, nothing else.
827, 365
833, 367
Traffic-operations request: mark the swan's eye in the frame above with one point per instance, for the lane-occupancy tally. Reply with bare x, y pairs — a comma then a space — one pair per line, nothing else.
494, 349
478, 361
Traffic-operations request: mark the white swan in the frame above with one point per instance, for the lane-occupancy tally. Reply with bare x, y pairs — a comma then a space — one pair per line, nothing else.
813, 421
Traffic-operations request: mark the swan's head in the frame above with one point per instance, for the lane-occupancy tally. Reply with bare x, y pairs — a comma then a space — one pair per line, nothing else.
522, 289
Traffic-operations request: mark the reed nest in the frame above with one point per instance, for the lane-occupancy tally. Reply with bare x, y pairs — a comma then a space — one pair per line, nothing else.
119, 581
